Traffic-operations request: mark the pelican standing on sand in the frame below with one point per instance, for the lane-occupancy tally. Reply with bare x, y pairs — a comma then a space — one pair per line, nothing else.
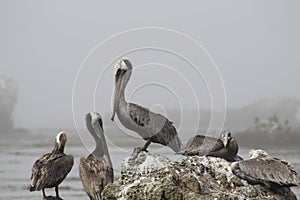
269, 171
52, 168
96, 170
152, 127
224, 147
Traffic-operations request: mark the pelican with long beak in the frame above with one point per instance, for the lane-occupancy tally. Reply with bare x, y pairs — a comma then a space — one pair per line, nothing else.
96, 171
151, 126
224, 147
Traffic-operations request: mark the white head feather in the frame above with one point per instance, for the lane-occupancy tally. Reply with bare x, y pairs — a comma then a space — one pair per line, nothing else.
256, 153
121, 65
95, 116
58, 137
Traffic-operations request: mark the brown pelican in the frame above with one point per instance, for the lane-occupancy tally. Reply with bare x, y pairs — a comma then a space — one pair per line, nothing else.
224, 147
52, 168
152, 127
269, 171
96, 170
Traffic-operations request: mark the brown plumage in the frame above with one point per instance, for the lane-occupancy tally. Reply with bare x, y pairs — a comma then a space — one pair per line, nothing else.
52, 168
96, 170
269, 171
224, 147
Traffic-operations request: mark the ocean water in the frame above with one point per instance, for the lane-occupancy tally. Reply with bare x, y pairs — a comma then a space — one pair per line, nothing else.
18, 152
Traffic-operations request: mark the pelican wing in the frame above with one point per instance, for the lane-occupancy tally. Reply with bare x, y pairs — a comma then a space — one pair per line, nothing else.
201, 145
155, 126
139, 115
95, 174
36, 171
168, 136
267, 170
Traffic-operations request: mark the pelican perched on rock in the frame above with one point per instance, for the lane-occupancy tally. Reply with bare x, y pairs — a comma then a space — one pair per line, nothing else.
224, 147
96, 170
269, 171
52, 168
151, 126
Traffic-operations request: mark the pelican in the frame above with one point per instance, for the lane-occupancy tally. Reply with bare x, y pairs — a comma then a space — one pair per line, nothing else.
52, 168
224, 147
151, 126
263, 169
96, 170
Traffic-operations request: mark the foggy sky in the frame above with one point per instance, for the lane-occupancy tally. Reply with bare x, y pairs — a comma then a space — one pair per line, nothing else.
255, 44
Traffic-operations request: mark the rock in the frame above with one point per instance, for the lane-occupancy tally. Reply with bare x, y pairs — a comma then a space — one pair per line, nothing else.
8, 99
153, 176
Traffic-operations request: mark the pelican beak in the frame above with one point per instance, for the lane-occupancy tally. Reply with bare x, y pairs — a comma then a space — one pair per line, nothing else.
117, 93
94, 124
98, 127
225, 140
94, 119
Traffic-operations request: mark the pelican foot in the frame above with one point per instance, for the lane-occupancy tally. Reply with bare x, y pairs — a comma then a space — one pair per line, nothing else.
136, 152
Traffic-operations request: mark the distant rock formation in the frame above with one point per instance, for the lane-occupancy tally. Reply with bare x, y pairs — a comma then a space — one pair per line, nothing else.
270, 125
152, 176
8, 99
271, 132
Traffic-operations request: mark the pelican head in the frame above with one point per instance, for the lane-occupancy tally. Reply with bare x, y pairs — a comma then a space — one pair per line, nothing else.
122, 72
61, 138
60, 141
258, 153
226, 137
94, 123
